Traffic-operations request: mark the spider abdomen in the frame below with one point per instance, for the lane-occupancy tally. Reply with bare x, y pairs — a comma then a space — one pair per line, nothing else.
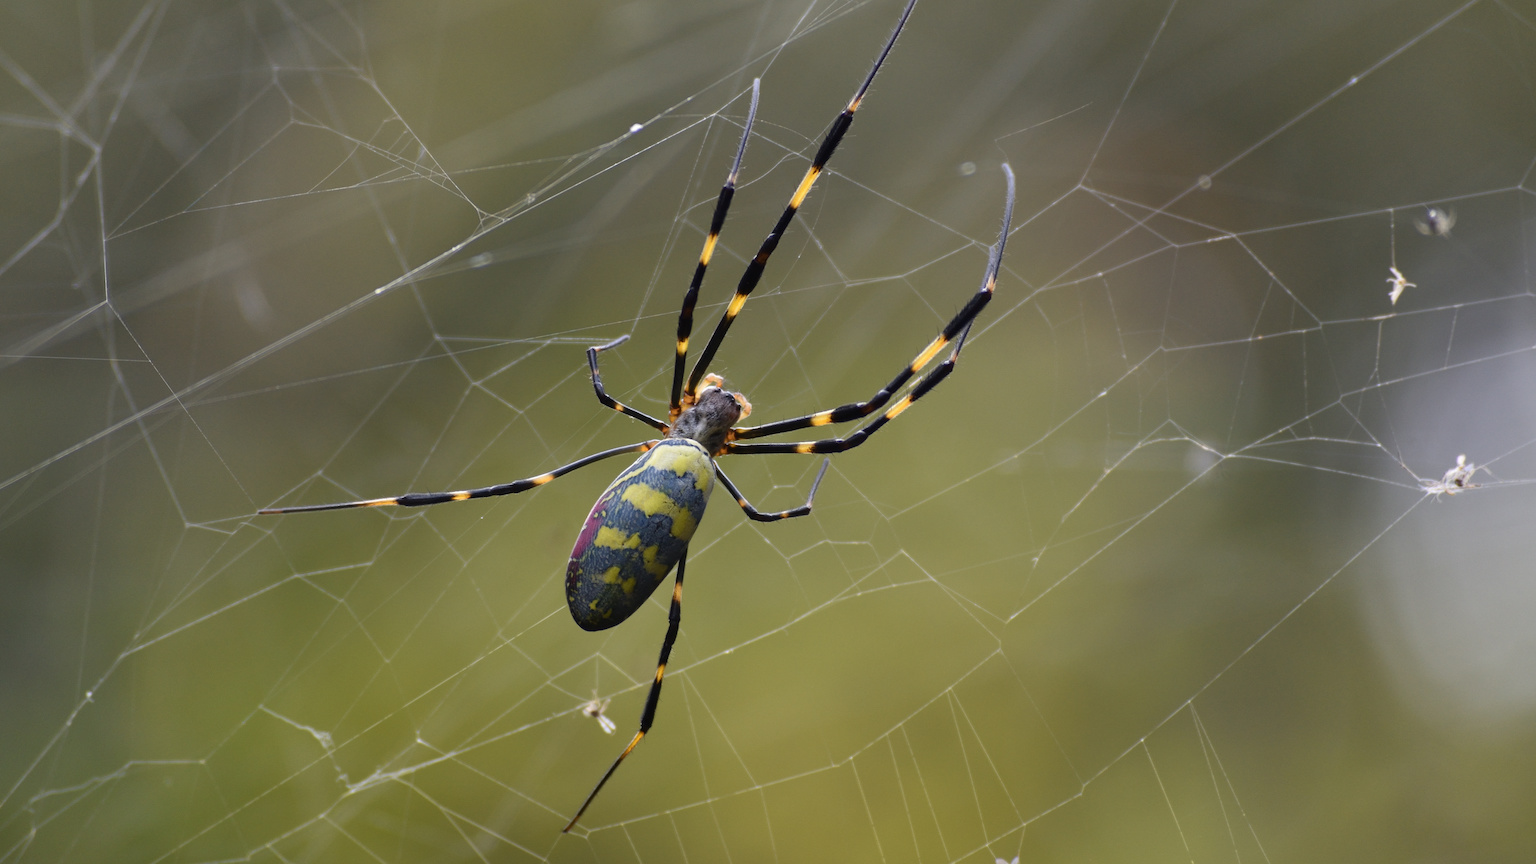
637, 531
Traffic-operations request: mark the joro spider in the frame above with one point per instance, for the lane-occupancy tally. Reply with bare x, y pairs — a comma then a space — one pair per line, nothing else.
641, 524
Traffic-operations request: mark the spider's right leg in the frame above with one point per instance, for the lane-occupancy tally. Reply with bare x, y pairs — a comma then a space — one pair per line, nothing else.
953, 332
759, 516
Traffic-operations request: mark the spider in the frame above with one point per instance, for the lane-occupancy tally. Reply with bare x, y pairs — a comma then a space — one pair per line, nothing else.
640, 527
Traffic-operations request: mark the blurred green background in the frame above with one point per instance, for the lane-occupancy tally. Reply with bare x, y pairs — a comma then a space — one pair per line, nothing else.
1154, 576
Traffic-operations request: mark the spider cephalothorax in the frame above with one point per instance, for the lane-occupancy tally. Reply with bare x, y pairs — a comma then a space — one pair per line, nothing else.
710, 419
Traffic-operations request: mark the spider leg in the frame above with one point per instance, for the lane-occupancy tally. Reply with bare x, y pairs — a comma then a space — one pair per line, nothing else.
860, 435
754, 271
956, 330
674, 620
602, 395
722, 206
759, 516
422, 499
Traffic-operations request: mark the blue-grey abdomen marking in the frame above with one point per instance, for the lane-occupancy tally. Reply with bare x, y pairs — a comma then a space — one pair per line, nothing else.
637, 531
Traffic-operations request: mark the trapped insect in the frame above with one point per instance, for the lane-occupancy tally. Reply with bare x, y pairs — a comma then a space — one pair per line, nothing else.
1457, 478
1436, 222
640, 527
1399, 284
595, 709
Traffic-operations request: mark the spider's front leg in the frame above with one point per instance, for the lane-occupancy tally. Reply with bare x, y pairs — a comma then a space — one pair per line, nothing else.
679, 402
954, 332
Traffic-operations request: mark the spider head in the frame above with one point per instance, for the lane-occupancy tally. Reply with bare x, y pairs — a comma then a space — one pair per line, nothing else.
710, 418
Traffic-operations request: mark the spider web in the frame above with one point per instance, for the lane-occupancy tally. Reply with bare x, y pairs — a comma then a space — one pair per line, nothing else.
1209, 550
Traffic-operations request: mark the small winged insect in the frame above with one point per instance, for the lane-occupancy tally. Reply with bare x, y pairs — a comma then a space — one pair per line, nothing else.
1457, 478
1437, 222
595, 709
1399, 282
640, 527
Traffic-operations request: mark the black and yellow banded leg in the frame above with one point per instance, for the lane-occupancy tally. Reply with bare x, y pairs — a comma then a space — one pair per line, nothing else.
856, 410
754, 271
716, 222
602, 395
954, 332
862, 434
757, 515
674, 621
423, 499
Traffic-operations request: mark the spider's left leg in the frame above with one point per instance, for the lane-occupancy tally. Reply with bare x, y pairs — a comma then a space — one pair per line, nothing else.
602, 395
758, 515
754, 271
716, 222
674, 620
425, 499
955, 331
